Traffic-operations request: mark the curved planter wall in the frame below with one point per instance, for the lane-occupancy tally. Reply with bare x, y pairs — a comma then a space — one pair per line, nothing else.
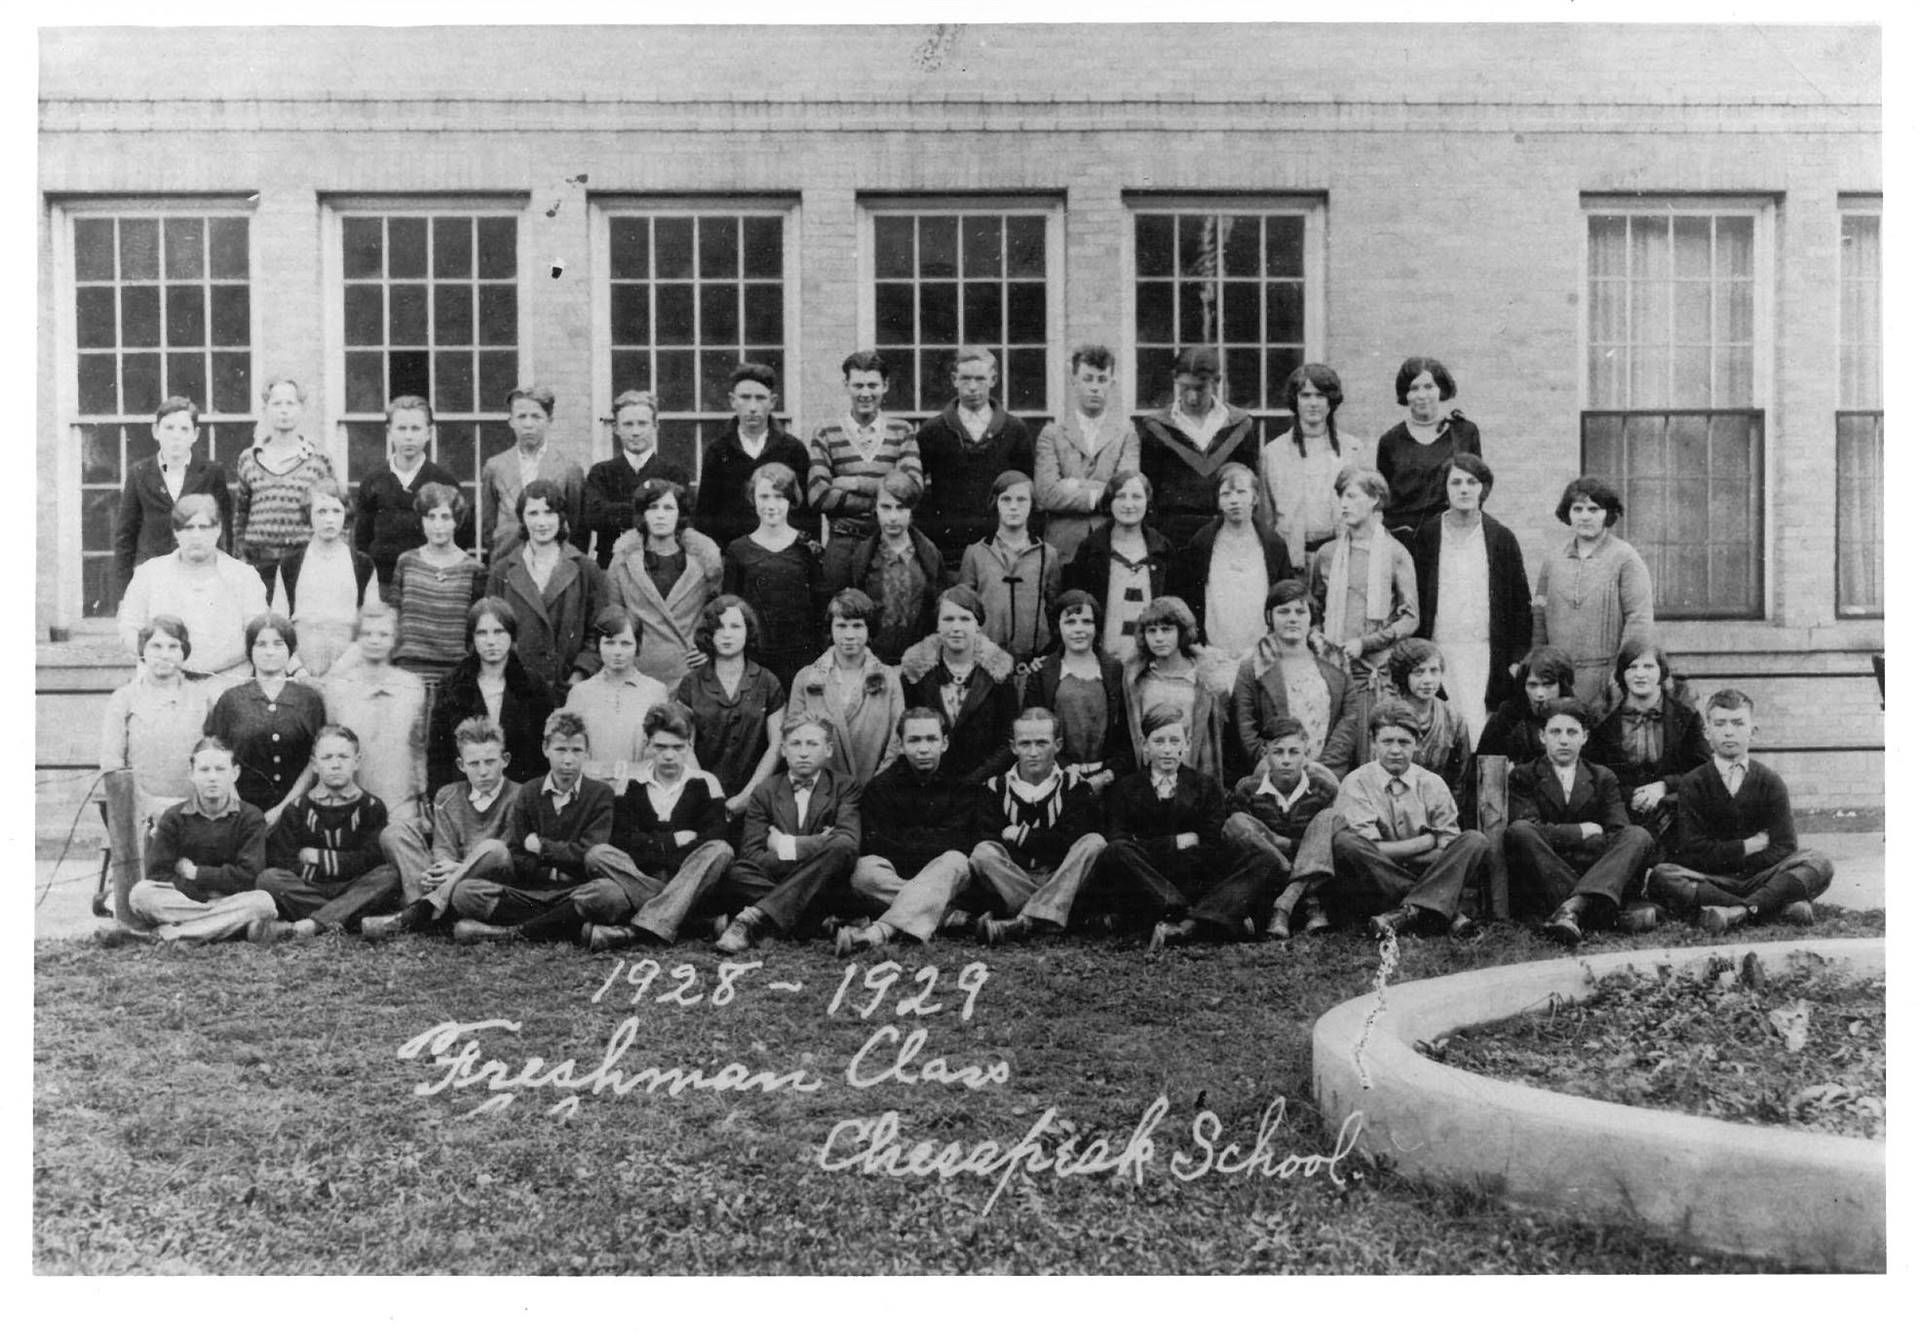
1811, 1200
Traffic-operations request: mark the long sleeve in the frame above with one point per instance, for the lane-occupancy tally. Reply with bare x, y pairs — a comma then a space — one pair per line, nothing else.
126, 528
1405, 613
446, 830
242, 506
1610, 800
846, 824
1636, 598
132, 616
249, 859
367, 514
283, 843
113, 732
593, 825
1246, 709
759, 821
1524, 807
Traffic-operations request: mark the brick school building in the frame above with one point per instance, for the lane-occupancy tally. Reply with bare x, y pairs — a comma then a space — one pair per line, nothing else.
1651, 252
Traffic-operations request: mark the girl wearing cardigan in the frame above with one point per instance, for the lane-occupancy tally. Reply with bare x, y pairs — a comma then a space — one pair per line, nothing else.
1173, 667
1298, 468
1123, 564
1363, 580
852, 691
1230, 564
665, 573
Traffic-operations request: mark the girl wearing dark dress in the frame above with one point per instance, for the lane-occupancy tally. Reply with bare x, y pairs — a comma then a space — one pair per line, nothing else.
1652, 740
1123, 564
269, 721
968, 678
490, 682
1082, 687
777, 572
738, 706
1413, 456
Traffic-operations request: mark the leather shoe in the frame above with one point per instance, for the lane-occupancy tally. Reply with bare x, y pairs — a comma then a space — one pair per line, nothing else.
1277, 926
1639, 919
1563, 927
1463, 928
479, 932
1169, 932
1719, 920
1318, 923
603, 939
1797, 914
1400, 921
1002, 930
736, 938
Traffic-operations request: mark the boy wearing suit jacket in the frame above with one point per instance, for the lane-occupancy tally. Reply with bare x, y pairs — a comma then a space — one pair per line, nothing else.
1569, 843
144, 526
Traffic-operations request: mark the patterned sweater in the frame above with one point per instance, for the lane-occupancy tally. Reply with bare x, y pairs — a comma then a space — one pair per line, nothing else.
267, 505
347, 836
832, 453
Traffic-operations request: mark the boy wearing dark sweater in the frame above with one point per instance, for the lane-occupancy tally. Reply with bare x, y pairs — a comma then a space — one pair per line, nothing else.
325, 869
1271, 810
668, 845
917, 821
723, 510
385, 521
962, 450
202, 862
1041, 835
1737, 857
550, 826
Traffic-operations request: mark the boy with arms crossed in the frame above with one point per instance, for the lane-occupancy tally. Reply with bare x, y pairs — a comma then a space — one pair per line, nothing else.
1044, 835
324, 867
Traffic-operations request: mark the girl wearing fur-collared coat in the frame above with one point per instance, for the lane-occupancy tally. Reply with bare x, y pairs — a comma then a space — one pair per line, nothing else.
854, 693
969, 679
1173, 667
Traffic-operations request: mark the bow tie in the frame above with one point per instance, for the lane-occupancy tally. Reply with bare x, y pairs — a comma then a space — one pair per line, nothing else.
1644, 718
802, 786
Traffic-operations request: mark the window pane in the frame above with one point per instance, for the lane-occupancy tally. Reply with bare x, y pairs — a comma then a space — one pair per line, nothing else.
453, 247
1241, 322
1860, 572
1153, 245
1651, 258
139, 249
1153, 312
631, 370
406, 247
366, 382
232, 315
499, 257
362, 248
1692, 247
674, 311
1199, 253
227, 247
97, 510
1286, 312
453, 383
498, 371
408, 374
1286, 247
232, 382
1241, 242
93, 322
1026, 247
499, 314
364, 315
939, 244
719, 248
627, 240
140, 316
719, 314
936, 379
981, 317
407, 313
714, 369
940, 314
93, 249
1026, 387
1733, 247
675, 385
186, 247
187, 375
140, 381
453, 313
366, 449
673, 248
1281, 363
893, 247
1198, 317
100, 385
186, 316
628, 314
100, 461
1027, 312
1242, 372
453, 447
764, 248
1607, 247
766, 321
980, 246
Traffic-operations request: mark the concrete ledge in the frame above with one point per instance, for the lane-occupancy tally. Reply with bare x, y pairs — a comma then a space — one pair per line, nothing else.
1815, 1201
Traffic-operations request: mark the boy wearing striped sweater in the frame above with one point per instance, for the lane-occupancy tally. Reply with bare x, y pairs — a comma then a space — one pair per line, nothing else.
324, 865
847, 459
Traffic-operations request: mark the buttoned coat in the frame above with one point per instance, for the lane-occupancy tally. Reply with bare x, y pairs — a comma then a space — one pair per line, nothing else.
667, 623
552, 635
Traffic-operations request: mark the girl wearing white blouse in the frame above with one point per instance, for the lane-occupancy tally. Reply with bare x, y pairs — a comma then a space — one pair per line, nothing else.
323, 586
1299, 468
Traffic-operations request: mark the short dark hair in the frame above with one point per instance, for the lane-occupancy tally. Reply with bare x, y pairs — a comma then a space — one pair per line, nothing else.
171, 626
1324, 378
1199, 362
903, 486
782, 478
279, 624
1090, 354
1548, 663
865, 359
437, 493
710, 621
1593, 489
852, 604
756, 372
613, 619
1568, 706
1476, 467
1284, 728
219, 743
497, 607
1036, 713
1163, 715
1407, 656
1167, 611
670, 717
177, 403
1392, 714
562, 722
966, 599
1073, 599
921, 714
533, 393
1007, 480
1286, 590
1730, 699
1631, 651
542, 488
1121, 478
1410, 371
650, 492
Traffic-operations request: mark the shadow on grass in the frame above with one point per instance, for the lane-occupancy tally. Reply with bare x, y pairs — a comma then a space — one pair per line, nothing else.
236, 1110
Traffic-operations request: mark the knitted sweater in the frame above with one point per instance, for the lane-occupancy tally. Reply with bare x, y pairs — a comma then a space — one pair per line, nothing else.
1046, 827
228, 853
565, 834
347, 836
267, 505
832, 454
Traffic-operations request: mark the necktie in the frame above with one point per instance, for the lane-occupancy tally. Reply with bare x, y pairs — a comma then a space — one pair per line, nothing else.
1736, 774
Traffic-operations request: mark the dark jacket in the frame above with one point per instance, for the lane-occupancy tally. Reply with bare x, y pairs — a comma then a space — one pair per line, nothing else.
1185, 473
863, 573
1044, 685
1135, 814
609, 499
959, 509
1509, 599
1534, 796
1047, 832
346, 836
910, 819
523, 715
291, 565
723, 510
980, 737
143, 528
1683, 746
553, 636
565, 835
384, 520
649, 840
1260, 701
228, 853
1714, 826
1196, 562
1512, 732
1088, 571
1416, 473
833, 819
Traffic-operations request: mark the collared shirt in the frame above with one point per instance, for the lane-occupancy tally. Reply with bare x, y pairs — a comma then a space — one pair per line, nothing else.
663, 797
1164, 783
174, 475
1288, 801
1386, 809
1733, 772
802, 798
1034, 792
865, 439
386, 706
200, 807
320, 795
482, 803
561, 799
529, 463
976, 423
1566, 776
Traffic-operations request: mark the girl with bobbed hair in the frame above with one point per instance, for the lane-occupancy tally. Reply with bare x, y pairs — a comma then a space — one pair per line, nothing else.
968, 678
1594, 593
213, 594
1417, 669
1653, 739
1413, 455
777, 570
271, 720
152, 723
555, 589
615, 700
433, 587
1172, 667
1297, 469
738, 705
1363, 582
1229, 565
665, 573
1123, 564
489, 682
851, 691
1475, 601
323, 586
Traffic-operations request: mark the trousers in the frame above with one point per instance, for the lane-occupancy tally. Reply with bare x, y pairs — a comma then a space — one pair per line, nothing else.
1366, 880
912, 906
1540, 878
785, 900
621, 891
333, 904
406, 847
170, 914
1802, 877
1044, 893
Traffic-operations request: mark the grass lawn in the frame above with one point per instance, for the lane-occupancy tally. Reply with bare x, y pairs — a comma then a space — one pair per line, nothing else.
245, 1110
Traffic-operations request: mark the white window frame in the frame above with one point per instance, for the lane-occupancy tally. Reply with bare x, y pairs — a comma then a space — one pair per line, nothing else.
1050, 208
335, 208
1311, 207
68, 584
1764, 210
603, 209
1859, 205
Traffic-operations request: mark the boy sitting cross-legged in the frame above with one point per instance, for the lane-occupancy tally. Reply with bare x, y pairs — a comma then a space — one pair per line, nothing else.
802, 835
324, 866
668, 845
202, 861
468, 831
1273, 809
1042, 822
1737, 857
550, 826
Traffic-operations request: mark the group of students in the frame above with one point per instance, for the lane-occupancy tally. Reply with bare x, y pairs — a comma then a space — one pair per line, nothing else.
1148, 720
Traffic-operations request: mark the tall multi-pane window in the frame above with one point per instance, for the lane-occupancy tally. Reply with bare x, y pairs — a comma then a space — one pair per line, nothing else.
1238, 280
691, 296
430, 305
161, 307
944, 278
1674, 401
1860, 426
